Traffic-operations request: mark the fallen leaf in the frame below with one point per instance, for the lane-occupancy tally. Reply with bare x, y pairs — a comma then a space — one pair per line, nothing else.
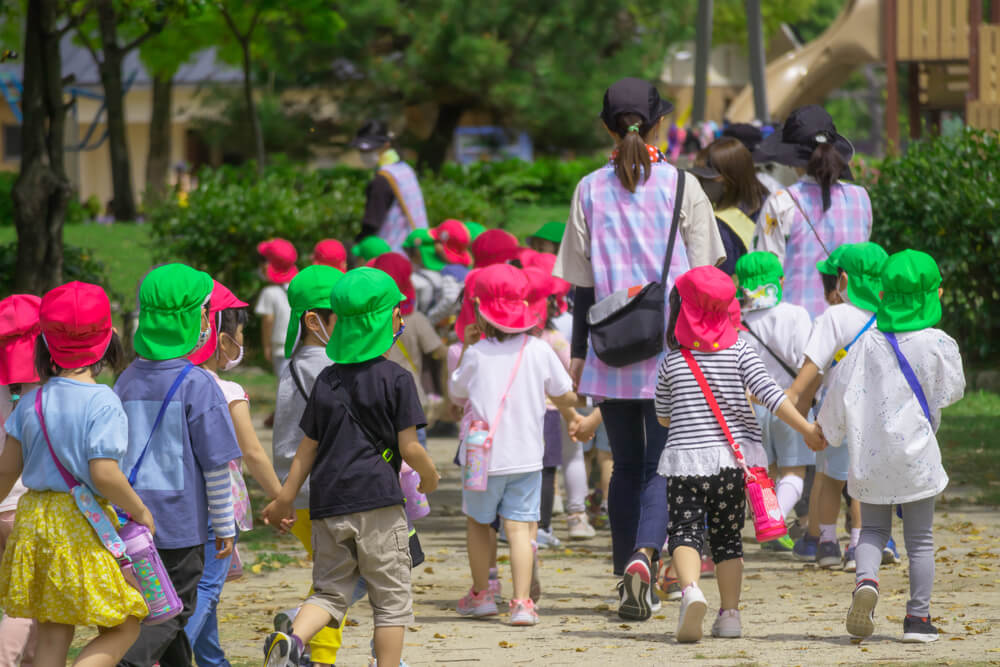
580, 649
505, 644
438, 635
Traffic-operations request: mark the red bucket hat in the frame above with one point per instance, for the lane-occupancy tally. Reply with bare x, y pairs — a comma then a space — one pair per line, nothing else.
330, 252
220, 300
454, 238
467, 312
18, 330
281, 256
546, 261
75, 320
540, 288
704, 322
502, 298
399, 269
494, 246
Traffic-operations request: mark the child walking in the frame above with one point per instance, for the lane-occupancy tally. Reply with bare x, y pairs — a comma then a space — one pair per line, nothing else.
272, 304
361, 417
885, 402
56, 569
506, 377
704, 478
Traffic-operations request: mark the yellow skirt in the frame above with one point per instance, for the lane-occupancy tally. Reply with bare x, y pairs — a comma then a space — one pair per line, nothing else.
56, 570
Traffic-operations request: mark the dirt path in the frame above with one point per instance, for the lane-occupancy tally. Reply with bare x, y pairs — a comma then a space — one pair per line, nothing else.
792, 615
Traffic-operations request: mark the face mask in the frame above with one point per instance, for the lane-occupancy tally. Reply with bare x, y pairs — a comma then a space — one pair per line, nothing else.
369, 159
326, 336
843, 295
231, 363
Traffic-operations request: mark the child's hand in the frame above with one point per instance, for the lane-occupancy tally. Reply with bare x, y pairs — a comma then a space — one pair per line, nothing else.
279, 514
815, 439
586, 427
145, 518
223, 547
472, 334
429, 484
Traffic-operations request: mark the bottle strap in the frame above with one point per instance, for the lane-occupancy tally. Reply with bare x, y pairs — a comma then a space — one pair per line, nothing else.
71, 481
503, 399
842, 352
159, 417
409, 359
911, 377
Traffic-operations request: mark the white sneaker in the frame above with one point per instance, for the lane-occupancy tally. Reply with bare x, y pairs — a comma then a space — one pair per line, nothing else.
727, 624
547, 539
579, 527
693, 608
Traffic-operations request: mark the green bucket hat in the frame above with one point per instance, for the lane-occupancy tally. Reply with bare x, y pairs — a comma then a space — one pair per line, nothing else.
370, 247
863, 264
910, 301
759, 275
363, 301
551, 231
829, 265
422, 240
475, 229
311, 288
170, 306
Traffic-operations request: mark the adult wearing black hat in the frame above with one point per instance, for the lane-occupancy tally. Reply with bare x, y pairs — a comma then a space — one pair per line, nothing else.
617, 236
394, 203
803, 223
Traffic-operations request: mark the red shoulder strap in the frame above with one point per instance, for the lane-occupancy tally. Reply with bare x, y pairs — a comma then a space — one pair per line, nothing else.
712, 403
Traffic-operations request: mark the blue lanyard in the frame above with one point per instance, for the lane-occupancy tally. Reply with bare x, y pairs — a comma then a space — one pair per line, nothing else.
159, 417
911, 377
842, 352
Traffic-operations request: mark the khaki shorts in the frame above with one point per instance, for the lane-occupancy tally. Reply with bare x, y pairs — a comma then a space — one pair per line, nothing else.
374, 545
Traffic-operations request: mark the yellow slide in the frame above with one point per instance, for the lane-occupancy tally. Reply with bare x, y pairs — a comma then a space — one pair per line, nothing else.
806, 75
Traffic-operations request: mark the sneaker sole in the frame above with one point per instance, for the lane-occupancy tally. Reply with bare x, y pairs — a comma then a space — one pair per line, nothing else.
804, 558
830, 562
636, 605
690, 629
283, 623
727, 634
918, 638
860, 622
524, 621
276, 654
480, 613
889, 558
850, 566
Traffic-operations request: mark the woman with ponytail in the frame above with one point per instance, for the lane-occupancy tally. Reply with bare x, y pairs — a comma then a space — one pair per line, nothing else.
804, 223
617, 238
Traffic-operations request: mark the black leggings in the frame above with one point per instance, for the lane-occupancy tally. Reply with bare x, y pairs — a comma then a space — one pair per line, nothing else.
548, 497
719, 497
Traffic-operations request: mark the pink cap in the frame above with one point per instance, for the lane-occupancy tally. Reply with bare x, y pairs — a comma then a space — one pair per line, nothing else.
494, 246
221, 299
281, 256
454, 239
330, 252
502, 298
75, 321
19, 329
546, 261
704, 321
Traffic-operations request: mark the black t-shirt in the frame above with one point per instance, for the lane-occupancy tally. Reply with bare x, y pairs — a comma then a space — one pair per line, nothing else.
350, 474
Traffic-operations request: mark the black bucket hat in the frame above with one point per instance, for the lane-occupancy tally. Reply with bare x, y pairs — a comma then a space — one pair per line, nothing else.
747, 134
373, 134
805, 129
631, 95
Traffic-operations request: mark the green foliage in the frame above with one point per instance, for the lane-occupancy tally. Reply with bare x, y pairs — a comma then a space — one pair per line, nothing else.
78, 264
7, 179
942, 197
547, 181
729, 18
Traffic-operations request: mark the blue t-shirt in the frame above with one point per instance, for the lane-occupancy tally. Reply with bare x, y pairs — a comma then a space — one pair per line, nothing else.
196, 435
85, 421
456, 271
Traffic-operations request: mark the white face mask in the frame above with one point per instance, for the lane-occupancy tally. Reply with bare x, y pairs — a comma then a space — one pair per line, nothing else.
230, 363
326, 336
369, 159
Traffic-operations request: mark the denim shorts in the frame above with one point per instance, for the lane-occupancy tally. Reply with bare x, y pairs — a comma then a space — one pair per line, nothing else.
834, 462
517, 497
784, 445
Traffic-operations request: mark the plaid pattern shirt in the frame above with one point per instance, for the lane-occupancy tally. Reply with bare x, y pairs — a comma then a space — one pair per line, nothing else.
397, 226
784, 231
629, 233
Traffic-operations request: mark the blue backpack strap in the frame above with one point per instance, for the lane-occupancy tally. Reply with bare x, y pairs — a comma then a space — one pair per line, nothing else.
159, 417
911, 377
842, 352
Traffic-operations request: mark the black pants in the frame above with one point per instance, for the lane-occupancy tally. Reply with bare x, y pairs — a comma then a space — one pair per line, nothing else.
166, 643
722, 498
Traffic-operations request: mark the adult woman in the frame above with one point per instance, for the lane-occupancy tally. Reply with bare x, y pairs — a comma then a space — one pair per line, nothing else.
394, 204
803, 223
616, 238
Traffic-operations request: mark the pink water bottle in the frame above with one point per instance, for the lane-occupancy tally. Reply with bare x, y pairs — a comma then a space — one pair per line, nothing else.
417, 506
768, 524
154, 582
476, 473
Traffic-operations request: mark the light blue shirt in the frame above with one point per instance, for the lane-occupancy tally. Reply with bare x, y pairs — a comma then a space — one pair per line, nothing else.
85, 421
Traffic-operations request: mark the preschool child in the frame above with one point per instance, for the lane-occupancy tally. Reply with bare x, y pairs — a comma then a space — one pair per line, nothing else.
330, 252
368, 249
436, 297
272, 304
451, 243
704, 477
361, 418
56, 568
885, 402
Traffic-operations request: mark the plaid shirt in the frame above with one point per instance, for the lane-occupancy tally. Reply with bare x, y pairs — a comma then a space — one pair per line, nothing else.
784, 231
629, 233
397, 227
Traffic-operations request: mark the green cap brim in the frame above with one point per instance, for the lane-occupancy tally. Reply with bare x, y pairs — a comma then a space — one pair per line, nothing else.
310, 289
551, 231
863, 292
165, 331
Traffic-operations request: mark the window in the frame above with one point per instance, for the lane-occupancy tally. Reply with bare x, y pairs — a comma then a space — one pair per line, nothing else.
11, 143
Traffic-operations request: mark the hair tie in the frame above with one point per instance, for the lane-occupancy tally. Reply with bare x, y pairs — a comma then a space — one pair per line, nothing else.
634, 128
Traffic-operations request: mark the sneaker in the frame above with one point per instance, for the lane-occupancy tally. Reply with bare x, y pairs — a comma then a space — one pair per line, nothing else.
522, 612
828, 555
692, 615
635, 604
282, 650
861, 615
918, 630
795, 529
547, 540
283, 621
805, 548
536, 581
579, 527
890, 556
597, 509
727, 624
669, 585
478, 605
707, 567
850, 565
784, 544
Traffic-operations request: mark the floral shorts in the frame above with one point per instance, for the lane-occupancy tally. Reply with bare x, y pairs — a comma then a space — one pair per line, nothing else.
715, 504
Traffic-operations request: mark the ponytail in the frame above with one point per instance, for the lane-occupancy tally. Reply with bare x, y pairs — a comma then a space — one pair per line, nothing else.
826, 164
631, 160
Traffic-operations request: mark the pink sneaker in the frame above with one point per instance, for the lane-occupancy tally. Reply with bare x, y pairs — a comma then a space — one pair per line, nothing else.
522, 612
479, 605
707, 567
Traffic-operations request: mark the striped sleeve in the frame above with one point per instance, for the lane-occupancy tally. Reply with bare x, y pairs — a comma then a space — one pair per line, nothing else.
758, 381
662, 397
220, 501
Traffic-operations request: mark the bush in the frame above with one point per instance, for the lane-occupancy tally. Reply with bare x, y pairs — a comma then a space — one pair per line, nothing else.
78, 264
943, 197
547, 180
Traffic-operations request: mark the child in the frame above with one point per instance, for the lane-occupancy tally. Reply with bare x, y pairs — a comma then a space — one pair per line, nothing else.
309, 329
703, 475
451, 242
272, 304
885, 402
330, 252
777, 332
859, 268
507, 356
548, 238
185, 478
494, 246
437, 295
224, 351
362, 415
57, 570
368, 249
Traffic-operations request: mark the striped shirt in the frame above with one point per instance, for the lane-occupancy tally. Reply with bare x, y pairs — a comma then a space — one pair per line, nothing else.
730, 373
220, 502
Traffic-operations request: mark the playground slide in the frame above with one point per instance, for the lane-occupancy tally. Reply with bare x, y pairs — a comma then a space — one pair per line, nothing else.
808, 74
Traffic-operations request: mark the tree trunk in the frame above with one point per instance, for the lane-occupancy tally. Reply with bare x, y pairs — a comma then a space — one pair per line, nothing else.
158, 160
258, 134
42, 190
114, 96
434, 150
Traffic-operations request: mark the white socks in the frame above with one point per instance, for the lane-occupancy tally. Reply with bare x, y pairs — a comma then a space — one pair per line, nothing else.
855, 537
828, 532
789, 490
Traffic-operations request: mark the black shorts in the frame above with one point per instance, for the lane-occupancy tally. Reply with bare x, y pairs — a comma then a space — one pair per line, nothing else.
722, 499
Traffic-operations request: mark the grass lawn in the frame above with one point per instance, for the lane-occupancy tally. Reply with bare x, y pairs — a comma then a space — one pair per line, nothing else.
967, 445
525, 220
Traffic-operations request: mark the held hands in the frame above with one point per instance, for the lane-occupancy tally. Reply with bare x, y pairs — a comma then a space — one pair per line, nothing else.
815, 439
584, 429
279, 514
223, 547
